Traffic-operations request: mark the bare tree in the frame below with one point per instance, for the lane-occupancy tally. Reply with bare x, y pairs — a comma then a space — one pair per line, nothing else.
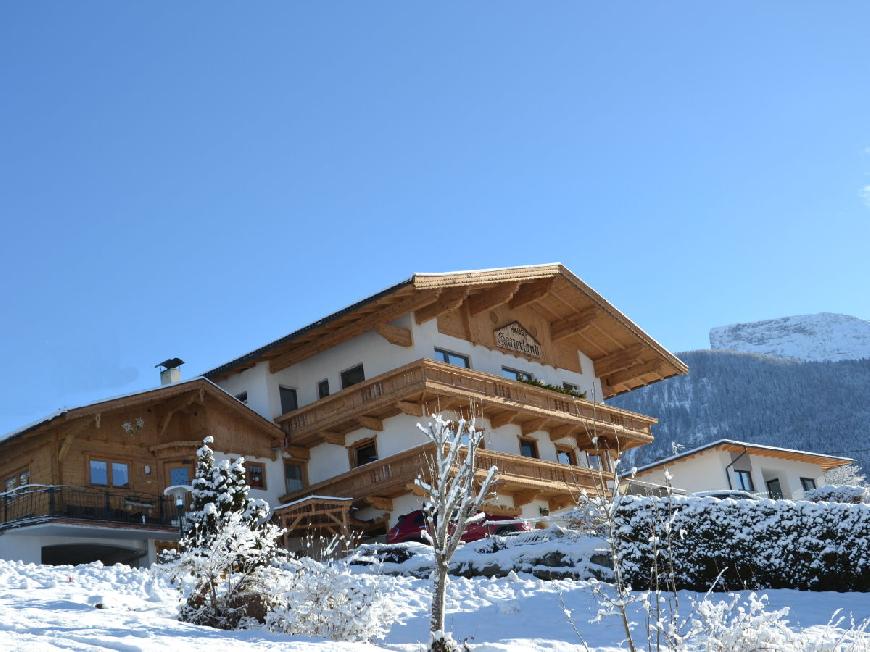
451, 503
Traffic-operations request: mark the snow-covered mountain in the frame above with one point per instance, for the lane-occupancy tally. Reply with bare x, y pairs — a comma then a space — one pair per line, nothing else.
822, 337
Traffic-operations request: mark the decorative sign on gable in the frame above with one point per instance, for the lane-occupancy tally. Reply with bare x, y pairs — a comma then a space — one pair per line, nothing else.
513, 337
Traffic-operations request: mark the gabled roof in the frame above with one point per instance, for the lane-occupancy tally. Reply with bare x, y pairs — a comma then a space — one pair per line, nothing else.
158, 393
624, 355
826, 462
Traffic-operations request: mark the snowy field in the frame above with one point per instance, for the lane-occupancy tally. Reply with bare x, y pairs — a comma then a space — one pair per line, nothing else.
53, 608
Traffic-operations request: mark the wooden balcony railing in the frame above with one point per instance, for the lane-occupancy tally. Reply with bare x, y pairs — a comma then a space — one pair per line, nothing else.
425, 380
394, 476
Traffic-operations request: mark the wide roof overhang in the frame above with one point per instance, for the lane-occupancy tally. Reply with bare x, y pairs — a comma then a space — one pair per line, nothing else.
625, 356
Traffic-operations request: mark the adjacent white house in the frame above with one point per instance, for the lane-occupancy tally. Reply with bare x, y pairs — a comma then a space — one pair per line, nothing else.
727, 464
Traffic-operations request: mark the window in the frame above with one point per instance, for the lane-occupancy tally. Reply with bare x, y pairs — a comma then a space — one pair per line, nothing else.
566, 456
255, 473
516, 374
294, 480
323, 388
243, 397
288, 399
352, 376
104, 473
774, 490
593, 461
808, 484
528, 448
571, 387
456, 359
179, 475
363, 452
744, 480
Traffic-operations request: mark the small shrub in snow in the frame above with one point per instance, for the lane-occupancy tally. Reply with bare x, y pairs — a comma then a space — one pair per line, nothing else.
316, 599
839, 494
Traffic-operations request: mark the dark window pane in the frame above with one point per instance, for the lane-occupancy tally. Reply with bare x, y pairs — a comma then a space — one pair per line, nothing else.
243, 397
256, 475
528, 448
744, 481
99, 472
293, 477
594, 461
288, 399
516, 374
366, 453
808, 484
323, 389
352, 376
120, 474
179, 475
774, 490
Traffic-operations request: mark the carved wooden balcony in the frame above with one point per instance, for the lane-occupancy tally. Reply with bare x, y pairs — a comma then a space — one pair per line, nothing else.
426, 386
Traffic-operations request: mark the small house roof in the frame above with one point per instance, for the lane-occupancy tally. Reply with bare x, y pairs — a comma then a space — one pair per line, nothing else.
826, 462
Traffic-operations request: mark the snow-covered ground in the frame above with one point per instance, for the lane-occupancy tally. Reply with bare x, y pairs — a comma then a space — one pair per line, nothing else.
820, 337
54, 608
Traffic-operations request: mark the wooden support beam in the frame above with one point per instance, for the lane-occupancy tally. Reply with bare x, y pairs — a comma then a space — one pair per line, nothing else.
524, 498
171, 408
362, 325
450, 299
379, 502
299, 452
395, 334
633, 372
414, 489
618, 361
560, 502
559, 432
500, 419
533, 425
333, 437
530, 292
573, 325
372, 423
495, 296
413, 409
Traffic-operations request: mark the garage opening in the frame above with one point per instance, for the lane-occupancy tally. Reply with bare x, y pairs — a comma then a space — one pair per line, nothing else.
85, 553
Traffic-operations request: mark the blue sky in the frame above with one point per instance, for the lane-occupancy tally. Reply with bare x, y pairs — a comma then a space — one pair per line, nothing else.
197, 179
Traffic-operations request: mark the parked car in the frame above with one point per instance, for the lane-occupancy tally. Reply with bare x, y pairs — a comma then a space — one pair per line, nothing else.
410, 527
733, 494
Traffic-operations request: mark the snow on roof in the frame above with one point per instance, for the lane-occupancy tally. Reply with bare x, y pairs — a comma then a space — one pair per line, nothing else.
142, 392
750, 446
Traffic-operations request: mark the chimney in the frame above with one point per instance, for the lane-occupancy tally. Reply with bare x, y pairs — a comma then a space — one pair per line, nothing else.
170, 372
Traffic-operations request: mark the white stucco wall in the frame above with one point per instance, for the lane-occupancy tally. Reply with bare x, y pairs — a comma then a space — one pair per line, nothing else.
706, 471
16, 545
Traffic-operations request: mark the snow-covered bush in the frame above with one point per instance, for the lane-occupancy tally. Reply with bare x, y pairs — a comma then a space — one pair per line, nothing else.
737, 544
848, 474
316, 599
226, 545
839, 494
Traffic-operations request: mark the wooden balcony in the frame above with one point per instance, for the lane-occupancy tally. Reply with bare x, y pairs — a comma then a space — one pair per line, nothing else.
426, 386
521, 477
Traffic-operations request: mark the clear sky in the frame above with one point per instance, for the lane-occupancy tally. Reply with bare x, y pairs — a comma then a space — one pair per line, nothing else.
197, 179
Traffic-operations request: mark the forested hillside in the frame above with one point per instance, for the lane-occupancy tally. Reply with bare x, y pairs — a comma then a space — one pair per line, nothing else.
817, 406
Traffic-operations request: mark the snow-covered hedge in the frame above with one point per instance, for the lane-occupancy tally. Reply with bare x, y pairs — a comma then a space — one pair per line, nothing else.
746, 543
839, 494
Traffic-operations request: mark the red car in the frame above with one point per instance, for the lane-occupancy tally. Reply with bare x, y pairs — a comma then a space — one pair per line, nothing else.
411, 526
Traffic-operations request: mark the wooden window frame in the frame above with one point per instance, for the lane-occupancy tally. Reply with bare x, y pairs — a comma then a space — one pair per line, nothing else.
351, 368
168, 465
109, 460
352, 450
303, 464
248, 465
572, 454
534, 443
445, 353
